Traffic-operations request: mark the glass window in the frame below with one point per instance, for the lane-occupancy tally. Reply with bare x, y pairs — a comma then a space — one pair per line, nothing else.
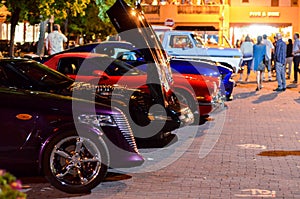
69, 65
110, 66
39, 73
245, 1
275, 3
294, 3
9, 78
180, 41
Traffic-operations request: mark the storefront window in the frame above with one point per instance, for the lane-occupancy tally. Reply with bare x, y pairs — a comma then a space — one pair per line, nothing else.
294, 3
275, 3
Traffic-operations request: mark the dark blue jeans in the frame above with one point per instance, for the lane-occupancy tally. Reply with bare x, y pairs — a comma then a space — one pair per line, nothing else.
296, 61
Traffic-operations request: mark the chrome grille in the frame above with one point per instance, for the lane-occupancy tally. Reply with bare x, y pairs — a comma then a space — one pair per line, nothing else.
126, 130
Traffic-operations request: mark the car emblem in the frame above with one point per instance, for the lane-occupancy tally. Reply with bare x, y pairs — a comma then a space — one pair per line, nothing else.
23, 116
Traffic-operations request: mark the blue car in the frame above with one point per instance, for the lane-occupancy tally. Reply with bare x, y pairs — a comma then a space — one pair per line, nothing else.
206, 68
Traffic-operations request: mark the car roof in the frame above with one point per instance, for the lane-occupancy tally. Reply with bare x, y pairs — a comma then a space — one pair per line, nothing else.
79, 54
15, 59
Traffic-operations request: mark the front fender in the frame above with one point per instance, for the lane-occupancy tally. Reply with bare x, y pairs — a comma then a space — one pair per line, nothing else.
63, 128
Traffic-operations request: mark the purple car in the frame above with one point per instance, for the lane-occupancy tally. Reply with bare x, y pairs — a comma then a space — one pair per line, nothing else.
70, 141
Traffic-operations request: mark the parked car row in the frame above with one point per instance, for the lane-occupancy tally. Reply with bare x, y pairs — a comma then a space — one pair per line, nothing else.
127, 52
73, 115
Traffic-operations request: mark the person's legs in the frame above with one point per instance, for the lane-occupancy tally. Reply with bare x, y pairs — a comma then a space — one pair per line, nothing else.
249, 64
269, 69
279, 69
242, 71
289, 62
296, 65
258, 79
283, 78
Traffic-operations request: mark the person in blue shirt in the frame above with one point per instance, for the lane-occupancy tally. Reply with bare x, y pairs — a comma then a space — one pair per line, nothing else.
259, 53
280, 58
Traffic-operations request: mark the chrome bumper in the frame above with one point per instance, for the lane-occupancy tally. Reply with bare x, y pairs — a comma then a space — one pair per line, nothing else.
187, 116
217, 103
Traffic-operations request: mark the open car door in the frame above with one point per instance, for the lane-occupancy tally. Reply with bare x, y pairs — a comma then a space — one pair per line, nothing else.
132, 26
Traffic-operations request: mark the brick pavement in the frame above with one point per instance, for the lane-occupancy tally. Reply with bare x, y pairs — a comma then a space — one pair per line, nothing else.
256, 156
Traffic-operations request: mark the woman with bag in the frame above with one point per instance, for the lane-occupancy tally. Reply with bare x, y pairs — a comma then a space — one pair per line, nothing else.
259, 53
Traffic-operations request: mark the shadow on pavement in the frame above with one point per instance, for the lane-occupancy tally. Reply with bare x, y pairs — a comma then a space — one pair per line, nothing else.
38, 187
114, 176
279, 153
245, 95
157, 143
291, 86
264, 98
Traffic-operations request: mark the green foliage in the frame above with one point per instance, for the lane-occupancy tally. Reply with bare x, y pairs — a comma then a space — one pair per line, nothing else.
9, 186
35, 11
62, 8
90, 24
104, 5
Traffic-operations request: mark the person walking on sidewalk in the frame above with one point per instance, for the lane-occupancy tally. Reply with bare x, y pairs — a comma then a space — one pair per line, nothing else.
296, 54
269, 50
259, 53
55, 40
289, 57
247, 51
280, 56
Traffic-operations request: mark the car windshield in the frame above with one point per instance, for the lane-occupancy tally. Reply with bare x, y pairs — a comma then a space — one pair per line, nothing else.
110, 66
40, 73
198, 41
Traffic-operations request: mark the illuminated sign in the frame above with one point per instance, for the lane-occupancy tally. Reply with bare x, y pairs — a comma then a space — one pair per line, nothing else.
264, 14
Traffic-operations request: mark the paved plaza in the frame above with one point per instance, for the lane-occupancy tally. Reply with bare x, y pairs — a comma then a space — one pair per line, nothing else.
250, 150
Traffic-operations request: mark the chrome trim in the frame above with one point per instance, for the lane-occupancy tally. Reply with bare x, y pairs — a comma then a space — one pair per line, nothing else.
124, 127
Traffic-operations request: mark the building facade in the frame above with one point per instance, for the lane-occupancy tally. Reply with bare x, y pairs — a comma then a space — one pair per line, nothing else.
232, 18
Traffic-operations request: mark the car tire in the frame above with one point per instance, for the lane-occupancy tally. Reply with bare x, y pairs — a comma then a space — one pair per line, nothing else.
75, 164
186, 98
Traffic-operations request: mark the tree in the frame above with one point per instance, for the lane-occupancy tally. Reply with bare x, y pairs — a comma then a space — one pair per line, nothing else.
38, 10
104, 5
90, 24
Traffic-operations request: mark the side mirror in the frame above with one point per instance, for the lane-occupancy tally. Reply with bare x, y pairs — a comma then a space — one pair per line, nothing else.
100, 73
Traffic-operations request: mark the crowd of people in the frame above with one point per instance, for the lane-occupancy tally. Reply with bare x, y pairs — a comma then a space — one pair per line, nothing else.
277, 58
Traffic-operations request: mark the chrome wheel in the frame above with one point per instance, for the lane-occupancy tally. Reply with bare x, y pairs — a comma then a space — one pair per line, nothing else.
75, 164
75, 160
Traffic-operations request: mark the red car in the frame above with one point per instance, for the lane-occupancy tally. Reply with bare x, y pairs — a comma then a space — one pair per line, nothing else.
200, 93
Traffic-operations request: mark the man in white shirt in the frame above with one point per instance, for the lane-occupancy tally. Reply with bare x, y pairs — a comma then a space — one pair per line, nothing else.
269, 49
55, 40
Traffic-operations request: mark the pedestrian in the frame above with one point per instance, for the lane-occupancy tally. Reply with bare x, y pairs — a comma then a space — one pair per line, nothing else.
289, 57
269, 50
280, 57
237, 43
259, 53
247, 51
296, 54
273, 53
55, 40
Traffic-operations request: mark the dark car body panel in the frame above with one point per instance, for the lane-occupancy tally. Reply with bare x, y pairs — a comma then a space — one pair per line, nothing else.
29, 119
